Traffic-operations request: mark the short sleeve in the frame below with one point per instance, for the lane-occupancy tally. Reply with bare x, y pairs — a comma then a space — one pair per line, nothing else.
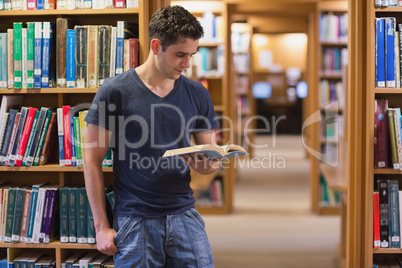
103, 108
207, 119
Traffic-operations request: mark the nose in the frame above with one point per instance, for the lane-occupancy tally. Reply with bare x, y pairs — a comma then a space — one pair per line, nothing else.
186, 62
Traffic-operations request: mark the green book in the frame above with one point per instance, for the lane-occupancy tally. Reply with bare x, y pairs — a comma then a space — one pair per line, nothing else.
30, 53
18, 209
10, 213
90, 225
82, 217
42, 138
72, 216
64, 203
77, 135
17, 54
31, 138
111, 197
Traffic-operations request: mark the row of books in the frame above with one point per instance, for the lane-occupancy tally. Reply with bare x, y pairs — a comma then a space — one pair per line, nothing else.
27, 135
330, 153
240, 42
241, 84
65, 4
388, 50
80, 57
213, 26
241, 62
71, 129
387, 3
387, 136
331, 127
332, 93
213, 196
334, 28
328, 196
333, 60
387, 214
208, 62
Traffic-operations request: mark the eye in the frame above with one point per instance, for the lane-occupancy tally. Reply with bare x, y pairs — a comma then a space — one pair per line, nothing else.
180, 55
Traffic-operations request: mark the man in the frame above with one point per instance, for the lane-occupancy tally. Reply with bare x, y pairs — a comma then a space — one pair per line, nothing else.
141, 114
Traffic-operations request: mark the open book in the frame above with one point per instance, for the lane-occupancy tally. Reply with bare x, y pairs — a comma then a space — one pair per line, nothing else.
210, 150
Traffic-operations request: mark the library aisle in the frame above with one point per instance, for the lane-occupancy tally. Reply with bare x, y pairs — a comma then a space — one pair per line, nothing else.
271, 225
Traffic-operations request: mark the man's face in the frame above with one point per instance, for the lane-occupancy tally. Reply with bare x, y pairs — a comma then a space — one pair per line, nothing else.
176, 58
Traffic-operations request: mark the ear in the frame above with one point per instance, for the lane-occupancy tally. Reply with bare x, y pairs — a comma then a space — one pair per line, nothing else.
156, 46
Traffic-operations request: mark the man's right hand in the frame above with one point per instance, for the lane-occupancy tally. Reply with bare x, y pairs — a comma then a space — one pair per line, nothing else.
105, 241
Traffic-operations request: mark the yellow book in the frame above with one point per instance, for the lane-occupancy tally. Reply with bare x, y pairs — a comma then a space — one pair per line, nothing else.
83, 132
210, 150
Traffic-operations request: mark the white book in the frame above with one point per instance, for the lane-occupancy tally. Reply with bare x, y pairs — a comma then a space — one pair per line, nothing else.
24, 59
98, 4
38, 214
84, 261
70, 4
132, 3
113, 41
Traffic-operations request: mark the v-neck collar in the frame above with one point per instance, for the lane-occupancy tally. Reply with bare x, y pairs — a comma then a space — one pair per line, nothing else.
152, 94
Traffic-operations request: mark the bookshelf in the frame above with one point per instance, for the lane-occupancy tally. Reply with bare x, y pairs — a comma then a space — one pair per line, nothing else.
57, 97
329, 134
216, 80
361, 252
241, 83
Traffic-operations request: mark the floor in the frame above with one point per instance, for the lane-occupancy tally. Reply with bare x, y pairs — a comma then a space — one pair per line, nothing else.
271, 225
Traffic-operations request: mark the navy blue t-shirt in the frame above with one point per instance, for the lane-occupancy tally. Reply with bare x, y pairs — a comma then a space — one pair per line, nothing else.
143, 127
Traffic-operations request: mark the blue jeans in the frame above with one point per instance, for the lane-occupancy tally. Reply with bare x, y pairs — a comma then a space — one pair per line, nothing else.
169, 241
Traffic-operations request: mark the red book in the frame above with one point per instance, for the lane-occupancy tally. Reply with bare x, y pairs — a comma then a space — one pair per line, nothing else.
47, 147
381, 147
376, 217
67, 135
25, 136
119, 4
133, 52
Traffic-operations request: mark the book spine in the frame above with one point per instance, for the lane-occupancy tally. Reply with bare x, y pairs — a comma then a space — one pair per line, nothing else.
24, 58
113, 43
134, 60
87, 4
18, 135
38, 55
17, 54
45, 152
126, 55
40, 4
119, 3
3, 128
40, 204
392, 137
81, 56
61, 4
73, 144
119, 47
32, 211
25, 136
72, 216
10, 214
380, 55
67, 135
31, 4
42, 137
393, 190
30, 139
104, 53
25, 215
43, 114
91, 226
64, 203
30, 53
83, 133
61, 48
132, 3
3, 61
390, 51
10, 58
4, 217
60, 134
70, 58
18, 210
13, 137
46, 52
82, 220
77, 137
51, 212
382, 133
70, 4
384, 213
92, 52
7, 138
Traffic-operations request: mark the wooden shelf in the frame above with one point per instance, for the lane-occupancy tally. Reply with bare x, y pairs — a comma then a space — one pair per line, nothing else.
213, 44
52, 245
387, 251
326, 43
48, 90
387, 171
49, 168
388, 9
387, 90
334, 75
326, 211
75, 12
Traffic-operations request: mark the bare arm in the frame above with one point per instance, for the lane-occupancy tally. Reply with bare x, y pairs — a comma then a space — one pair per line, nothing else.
203, 165
98, 140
